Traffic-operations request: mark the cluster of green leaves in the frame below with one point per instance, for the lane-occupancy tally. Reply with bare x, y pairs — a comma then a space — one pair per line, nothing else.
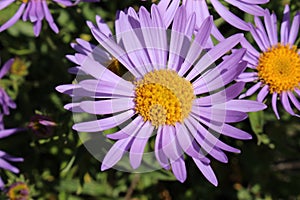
60, 167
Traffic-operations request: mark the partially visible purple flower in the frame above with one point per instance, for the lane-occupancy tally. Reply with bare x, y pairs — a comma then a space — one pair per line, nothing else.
200, 8
18, 191
5, 101
4, 157
42, 126
176, 93
275, 67
35, 11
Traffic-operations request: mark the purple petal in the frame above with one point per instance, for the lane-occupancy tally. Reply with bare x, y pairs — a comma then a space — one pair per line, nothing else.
255, 1
37, 28
14, 19
190, 27
213, 141
274, 104
263, 93
255, 32
196, 130
199, 8
294, 29
286, 103
228, 130
221, 75
285, 25
220, 97
169, 143
107, 106
247, 77
214, 54
250, 8
249, 48
179, 169
74, 107
251, 90
8, 157
242, 105
128, 130
104, 124
4, 4
185, 141
139, 143
115, 153
155, 40
271, 26
229, 17
168, 13
207, 171
197, 45
8, 132
132, 39
6, 67
7, 166
159, 153
98, 71
116, 51
49, 17
262, 32
107, 87
103, 26
32, 11
218, 115
294, 100
179, 43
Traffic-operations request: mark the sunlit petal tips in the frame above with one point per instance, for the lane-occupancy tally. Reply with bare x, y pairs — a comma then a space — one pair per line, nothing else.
155, 87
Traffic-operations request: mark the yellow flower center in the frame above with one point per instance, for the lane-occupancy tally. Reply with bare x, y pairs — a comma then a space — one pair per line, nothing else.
19, 68
162, 97
279, 68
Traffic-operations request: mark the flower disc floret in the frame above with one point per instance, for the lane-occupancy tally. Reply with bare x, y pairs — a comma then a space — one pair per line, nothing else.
279, 68
163, 97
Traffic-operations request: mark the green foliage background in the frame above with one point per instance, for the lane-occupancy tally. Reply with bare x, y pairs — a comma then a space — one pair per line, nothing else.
59, 167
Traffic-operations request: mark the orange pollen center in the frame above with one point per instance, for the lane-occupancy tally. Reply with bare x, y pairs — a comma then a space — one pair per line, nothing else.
279, 68
163, 97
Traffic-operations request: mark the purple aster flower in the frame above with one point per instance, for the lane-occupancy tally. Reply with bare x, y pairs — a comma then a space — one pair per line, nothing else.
42, 126
35, 11
5, 101
172, 90
275, 68
4, 157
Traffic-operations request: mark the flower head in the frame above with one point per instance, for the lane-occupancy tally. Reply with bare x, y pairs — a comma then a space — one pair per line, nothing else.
18, 191
42, 126
4, 157
172, 90
35, 11
275, 67
5, 101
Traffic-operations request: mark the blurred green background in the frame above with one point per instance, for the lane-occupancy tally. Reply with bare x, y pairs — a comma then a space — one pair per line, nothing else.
59, 166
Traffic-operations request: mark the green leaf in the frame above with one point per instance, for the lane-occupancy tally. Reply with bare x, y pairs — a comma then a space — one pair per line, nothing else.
257, 121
